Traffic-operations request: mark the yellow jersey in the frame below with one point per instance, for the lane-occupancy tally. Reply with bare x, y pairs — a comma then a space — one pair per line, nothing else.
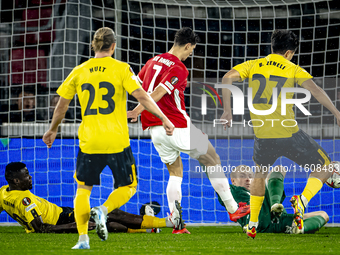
101, 85
23, 206
265, 74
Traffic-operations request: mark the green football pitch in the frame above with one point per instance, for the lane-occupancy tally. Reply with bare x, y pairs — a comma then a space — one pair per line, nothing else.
203, 240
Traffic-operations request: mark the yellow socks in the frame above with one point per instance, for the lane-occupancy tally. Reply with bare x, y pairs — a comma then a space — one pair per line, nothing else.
82, 210
255, 207
136, 230
312, 187
153, 222
119, 197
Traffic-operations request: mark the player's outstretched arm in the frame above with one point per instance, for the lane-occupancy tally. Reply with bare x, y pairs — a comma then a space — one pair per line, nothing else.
156, 95
58, 115
149, 104
322, 97
228, 79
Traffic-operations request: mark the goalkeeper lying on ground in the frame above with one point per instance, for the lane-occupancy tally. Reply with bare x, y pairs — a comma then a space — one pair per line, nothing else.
273, 217
36, 214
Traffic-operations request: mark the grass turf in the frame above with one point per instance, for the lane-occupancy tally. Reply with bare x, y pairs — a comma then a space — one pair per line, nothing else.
203, 240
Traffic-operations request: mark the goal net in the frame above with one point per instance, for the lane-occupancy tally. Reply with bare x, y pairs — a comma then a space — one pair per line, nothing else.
43, 40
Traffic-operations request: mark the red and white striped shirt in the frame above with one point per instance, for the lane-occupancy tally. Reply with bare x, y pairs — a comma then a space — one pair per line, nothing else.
168, 71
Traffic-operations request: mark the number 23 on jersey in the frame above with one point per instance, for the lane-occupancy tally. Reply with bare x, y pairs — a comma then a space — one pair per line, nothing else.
107, 97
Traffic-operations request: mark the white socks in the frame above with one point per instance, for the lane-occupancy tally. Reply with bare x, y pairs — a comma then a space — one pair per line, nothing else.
83, 238
304, 200
174, 191
217, 179
104, 209
252, 224
220, 184
168, 223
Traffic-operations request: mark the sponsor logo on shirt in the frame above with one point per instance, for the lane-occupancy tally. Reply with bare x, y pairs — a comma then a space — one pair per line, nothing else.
174, 80
30, 207
26, 201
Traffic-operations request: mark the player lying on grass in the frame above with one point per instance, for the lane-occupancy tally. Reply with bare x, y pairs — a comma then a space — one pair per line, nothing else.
273, 217
36, 214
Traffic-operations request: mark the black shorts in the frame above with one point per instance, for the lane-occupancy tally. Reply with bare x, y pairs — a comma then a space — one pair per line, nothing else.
122, 165
66, 216
300, 148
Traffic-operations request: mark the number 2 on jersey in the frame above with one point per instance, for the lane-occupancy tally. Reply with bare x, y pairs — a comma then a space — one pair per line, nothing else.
152, 83
106, 97
280, 82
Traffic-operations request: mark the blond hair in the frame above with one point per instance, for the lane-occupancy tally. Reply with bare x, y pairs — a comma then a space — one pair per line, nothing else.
103, 39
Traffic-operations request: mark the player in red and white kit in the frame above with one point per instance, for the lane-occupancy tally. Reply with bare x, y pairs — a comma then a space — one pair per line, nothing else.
165, 78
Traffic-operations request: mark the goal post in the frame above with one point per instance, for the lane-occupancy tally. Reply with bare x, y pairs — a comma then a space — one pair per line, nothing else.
43, 40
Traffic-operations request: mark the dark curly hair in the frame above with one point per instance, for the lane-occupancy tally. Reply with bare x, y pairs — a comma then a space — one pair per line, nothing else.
283, 40
186, 35
12, 170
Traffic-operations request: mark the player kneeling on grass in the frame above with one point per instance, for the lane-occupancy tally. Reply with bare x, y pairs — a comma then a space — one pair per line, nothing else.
36, 214
273, 217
